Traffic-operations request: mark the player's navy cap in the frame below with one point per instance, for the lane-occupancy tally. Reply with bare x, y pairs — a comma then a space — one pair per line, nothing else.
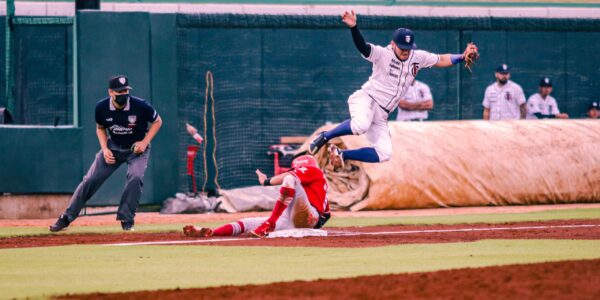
594, 105
119, 83
503, 69
404, 39
545, 82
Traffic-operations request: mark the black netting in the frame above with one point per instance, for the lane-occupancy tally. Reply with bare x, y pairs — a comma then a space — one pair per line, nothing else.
42, 61
279, 76
275, 82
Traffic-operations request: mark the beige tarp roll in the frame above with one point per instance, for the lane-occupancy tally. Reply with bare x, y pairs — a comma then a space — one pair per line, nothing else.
473, 163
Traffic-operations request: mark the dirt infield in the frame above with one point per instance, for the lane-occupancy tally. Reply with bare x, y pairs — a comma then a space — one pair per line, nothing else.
343, 237
156, 218
556, 280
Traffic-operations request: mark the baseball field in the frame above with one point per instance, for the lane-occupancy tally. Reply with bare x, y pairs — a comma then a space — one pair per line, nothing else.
490, 252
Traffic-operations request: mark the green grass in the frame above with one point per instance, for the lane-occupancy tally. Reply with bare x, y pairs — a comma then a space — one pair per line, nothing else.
584, 213
34, 272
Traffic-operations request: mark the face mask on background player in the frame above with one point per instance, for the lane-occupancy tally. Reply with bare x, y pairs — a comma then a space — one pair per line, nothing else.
121, 99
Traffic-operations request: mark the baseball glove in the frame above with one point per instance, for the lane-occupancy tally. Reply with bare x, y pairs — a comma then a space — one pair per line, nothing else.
471, 55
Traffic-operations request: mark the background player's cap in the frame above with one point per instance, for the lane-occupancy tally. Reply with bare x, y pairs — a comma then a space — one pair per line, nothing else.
594, 105
545, 82
404, 39
119, 83
503, 69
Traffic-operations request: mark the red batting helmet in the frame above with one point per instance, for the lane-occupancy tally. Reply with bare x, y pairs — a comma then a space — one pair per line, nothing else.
304, 161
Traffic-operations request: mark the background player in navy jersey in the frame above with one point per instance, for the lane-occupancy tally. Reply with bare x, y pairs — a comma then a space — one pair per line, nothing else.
126, 120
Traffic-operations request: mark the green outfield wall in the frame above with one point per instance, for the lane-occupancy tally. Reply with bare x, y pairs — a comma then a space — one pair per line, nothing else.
283, 76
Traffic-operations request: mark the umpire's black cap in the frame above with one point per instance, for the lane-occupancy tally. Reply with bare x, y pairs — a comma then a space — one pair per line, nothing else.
119, 83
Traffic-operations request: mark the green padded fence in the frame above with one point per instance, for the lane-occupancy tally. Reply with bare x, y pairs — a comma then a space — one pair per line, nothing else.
283, 76
104, 51
40, 160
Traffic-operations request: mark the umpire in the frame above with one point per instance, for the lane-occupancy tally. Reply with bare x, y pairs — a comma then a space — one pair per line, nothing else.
126, 119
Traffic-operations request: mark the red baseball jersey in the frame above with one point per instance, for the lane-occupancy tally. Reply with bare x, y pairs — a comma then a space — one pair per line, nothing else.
315, 185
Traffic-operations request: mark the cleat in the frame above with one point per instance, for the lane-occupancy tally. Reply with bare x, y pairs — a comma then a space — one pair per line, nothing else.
127, 226
61, 224
194, 231
336, 157
317, 143
263, 230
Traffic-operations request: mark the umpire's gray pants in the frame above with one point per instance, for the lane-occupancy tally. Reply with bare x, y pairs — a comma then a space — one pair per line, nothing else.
100, 171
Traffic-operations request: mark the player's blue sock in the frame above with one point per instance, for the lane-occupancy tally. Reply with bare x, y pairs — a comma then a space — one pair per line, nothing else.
340, 130
363, 154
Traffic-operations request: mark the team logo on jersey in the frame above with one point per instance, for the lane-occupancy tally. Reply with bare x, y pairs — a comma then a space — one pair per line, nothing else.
132, 119
414, 69
421, 94
407, 39
508, 96
122, 80
302, 169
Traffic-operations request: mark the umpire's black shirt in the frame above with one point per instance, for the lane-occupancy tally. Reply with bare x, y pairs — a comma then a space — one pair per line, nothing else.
128, 125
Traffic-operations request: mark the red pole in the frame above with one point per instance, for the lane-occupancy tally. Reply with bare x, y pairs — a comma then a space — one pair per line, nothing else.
191, 157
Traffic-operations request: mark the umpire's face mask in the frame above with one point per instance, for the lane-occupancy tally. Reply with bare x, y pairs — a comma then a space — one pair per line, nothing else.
121, 99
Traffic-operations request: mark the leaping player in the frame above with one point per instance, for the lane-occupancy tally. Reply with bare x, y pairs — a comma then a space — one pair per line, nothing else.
394, 70
302, 203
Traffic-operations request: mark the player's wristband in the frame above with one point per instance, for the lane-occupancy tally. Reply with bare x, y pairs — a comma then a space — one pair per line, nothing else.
456, 58
267, 182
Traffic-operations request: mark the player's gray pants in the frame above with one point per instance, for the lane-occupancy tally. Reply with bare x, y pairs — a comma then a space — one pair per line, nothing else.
100, 171
367, 117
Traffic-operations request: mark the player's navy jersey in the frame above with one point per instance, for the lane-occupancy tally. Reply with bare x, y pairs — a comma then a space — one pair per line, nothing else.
314, 184
128, 125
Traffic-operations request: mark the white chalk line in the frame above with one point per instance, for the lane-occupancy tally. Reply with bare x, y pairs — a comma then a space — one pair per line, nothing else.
180, 242
462, 230
222, 240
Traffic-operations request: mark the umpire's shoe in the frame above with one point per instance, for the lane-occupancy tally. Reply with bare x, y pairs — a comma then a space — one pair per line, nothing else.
127, 225
61, 223
317, 143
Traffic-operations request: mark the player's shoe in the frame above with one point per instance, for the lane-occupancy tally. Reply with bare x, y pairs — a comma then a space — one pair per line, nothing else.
127, 225
194, 231
61, 224
263, 230
317, 143
336, 157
